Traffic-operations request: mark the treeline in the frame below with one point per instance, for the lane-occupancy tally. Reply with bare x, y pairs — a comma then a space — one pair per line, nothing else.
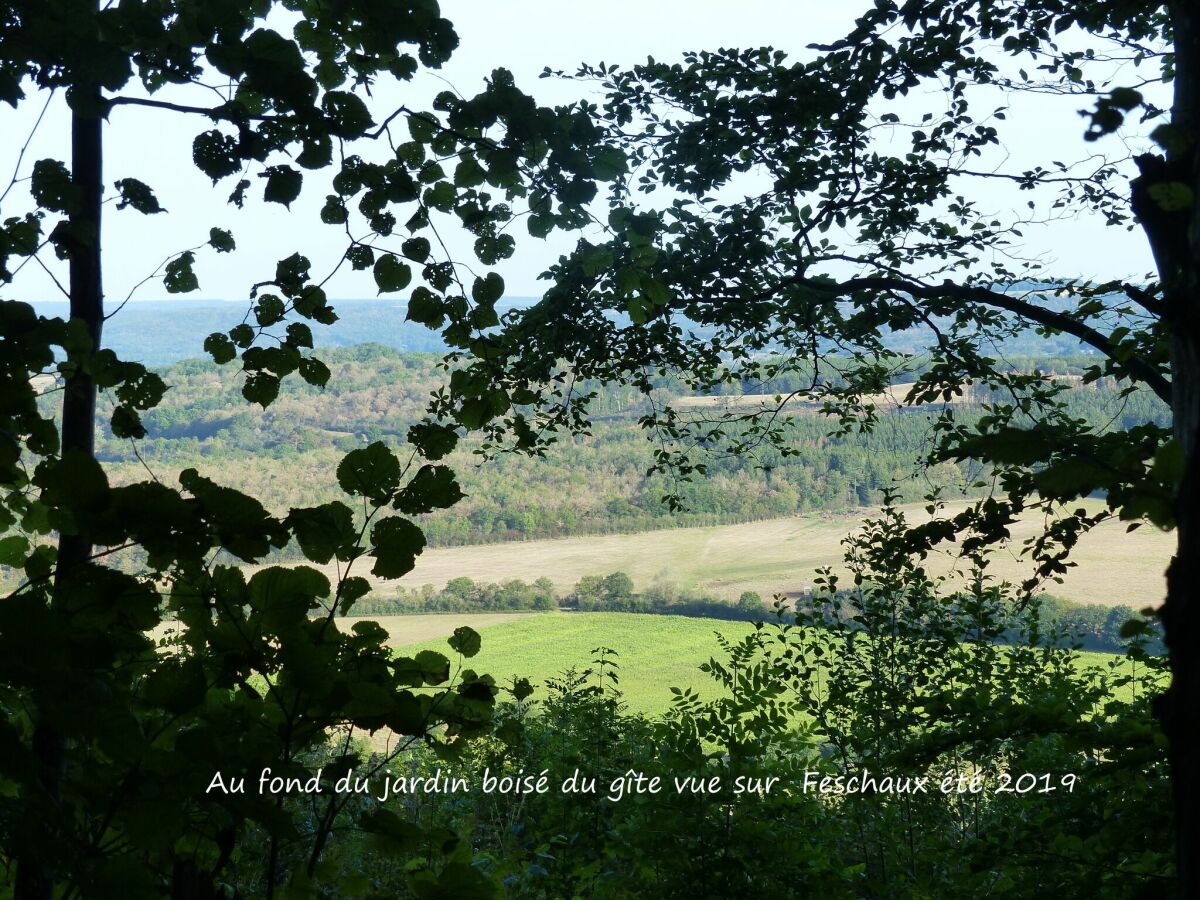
593, 484
1088, 626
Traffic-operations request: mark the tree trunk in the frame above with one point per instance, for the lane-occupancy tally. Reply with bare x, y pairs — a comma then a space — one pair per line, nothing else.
1178, 262
34, 881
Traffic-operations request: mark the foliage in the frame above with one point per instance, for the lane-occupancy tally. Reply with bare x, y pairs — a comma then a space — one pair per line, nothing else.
817, 205
898, 687
109, 740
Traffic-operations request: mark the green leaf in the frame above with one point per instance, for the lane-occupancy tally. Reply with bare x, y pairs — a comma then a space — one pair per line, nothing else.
261, 388
433, 487
465, 641
348, 114
1172, 196
426, 308
314, 371
334, 211
51, 186
372, 472
283, 184
76, 481
221, 240
432, 440
489, 289
417, 249
13, 550
422, 127
391, 274
216, 154
468, 173
269, 310
138, 195
242, 335
322, 530
433, 666
126, 423
395, 544
361, 257
351, 591
178, 276
608, 163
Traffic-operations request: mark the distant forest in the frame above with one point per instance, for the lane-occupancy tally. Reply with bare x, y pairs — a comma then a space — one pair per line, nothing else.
587, 485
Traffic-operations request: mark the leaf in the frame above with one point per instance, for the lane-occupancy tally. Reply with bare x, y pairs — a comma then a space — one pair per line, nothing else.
269, 310
334, 211
608, 163
416, 248
421, 127
372, 472
314, 371
426, 308
433, 666
138, 195
216, 154
322, 530
13, 550
488, 290
391, 274
51, 186
351, 591
178, 277
465, 641
432, 440
361, 257
126, 423
261, 388
221, 240
75, 481
349, 116
283, 185
468, 173
433, 487
395, 544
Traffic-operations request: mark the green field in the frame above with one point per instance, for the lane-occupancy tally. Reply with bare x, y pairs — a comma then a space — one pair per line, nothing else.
656, 652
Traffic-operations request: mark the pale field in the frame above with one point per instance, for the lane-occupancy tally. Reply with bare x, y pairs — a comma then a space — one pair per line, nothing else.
782, 556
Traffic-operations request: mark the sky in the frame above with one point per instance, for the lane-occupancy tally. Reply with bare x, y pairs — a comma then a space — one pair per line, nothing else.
524, 36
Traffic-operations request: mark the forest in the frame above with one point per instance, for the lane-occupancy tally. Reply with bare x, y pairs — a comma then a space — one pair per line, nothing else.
588, 484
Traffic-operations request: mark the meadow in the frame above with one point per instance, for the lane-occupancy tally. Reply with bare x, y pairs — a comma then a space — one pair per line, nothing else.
655, 653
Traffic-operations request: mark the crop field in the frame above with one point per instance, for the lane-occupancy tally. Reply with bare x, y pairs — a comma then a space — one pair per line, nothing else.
655, 653
782, 556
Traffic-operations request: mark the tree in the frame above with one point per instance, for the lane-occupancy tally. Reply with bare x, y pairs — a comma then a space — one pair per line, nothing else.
799, 215
617, 587
109, 741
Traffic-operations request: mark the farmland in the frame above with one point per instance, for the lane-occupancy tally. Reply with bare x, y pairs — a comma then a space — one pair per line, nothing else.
656, 653
782, 555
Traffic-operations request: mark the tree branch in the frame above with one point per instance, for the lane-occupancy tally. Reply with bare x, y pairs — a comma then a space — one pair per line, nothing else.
1137, 368
212, 112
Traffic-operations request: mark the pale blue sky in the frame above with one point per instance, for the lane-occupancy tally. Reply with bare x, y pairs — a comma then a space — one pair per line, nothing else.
524, 36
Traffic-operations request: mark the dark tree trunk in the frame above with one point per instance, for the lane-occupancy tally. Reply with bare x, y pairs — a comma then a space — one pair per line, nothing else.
34, 881
1177, 256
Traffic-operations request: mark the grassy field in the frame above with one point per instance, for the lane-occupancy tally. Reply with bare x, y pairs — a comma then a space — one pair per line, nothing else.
782, 556
656, 653
417, 629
